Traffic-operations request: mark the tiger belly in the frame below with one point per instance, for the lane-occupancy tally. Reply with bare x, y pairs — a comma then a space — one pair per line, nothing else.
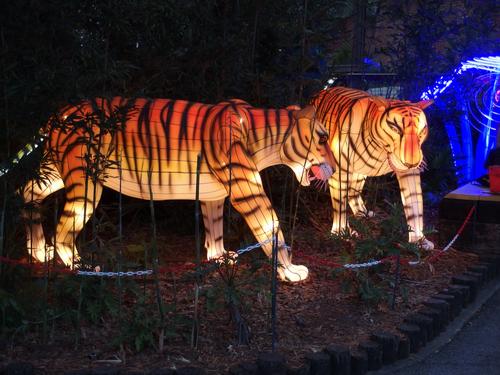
165, 185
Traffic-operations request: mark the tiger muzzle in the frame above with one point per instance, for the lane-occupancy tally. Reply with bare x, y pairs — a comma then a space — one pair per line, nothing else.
411, 150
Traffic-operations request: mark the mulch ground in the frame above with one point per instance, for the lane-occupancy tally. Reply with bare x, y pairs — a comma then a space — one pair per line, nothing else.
310, 314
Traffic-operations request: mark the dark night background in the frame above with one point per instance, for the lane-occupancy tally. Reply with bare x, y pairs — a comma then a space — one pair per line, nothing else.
269, 53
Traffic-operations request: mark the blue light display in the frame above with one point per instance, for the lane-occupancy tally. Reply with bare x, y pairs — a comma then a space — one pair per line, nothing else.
475, 88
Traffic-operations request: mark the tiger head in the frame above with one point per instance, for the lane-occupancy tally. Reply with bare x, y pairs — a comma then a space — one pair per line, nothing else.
305, 148
403, 128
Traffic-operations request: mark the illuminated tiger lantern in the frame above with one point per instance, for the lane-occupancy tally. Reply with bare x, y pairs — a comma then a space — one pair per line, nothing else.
373, 136
151, 153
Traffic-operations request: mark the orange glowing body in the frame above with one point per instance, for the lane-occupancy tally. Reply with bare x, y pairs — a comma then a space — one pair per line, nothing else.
373, 136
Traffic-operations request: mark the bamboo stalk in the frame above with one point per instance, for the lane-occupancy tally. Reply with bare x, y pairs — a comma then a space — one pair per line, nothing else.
303, 52
120, 242
154, 249
85, 194
2, 221
196, 323
228, 218
274, 287
79, 314
7, 131
254, 34
294, 219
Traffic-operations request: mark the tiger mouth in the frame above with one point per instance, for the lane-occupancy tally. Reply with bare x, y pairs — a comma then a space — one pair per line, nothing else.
319, 174
396, 165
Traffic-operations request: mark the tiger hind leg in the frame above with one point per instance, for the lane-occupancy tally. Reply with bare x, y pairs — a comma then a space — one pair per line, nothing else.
338, 195
34, 192
213, 220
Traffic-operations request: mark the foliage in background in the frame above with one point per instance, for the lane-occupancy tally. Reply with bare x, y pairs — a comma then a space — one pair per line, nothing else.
427, 39
422, 41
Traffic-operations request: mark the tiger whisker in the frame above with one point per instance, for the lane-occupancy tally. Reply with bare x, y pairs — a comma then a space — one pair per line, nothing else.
320, 185
423, 165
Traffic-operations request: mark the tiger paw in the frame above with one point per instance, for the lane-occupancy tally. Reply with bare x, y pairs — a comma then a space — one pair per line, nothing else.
425, 244
216, 255
229, 257
45, 254
226, 258
365, 213
293, 273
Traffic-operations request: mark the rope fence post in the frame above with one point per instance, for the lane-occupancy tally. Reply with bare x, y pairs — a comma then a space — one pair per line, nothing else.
396, 280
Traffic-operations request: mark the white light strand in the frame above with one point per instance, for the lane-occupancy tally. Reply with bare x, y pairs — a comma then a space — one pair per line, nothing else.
489, 63
25, 151
451, 243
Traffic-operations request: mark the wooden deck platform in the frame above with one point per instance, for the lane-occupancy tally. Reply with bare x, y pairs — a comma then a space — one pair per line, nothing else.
482, 233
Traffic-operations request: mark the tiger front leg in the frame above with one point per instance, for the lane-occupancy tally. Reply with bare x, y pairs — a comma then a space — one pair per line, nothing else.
259, 215
247, 195
338, 195
411, 196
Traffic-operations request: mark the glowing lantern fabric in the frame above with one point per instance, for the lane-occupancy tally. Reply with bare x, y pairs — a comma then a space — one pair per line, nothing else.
149, 148
373, 136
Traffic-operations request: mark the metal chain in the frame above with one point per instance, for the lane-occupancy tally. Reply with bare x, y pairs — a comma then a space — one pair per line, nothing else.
259, 244
362, 265
150, 272
114, 274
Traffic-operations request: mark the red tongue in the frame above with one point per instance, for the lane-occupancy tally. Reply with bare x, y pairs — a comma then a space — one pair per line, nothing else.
319, 173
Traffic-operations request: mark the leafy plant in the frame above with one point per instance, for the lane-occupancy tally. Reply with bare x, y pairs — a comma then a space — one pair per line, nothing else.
233, 286
11, 313
371, 239
93, 298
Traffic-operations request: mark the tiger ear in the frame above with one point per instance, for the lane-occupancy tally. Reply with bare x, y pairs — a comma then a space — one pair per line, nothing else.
423, 104
307, 112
